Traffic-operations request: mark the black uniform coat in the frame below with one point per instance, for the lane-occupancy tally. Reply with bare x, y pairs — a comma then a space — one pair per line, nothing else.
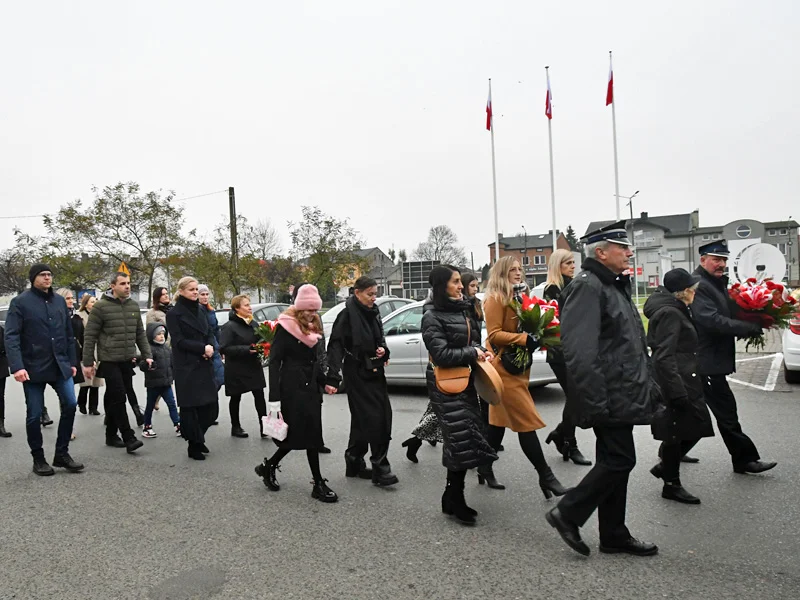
370, 409
444, 331
673, 339
606, 351
553, 292
716, 328
243, 370
297, 381
190, 334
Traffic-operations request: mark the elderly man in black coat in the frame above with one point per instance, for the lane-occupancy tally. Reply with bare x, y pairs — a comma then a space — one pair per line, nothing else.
611, 390
41, 351
717, 330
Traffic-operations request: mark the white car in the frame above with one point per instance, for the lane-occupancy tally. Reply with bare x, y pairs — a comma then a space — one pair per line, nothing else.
409, 358
386, 305
791, 352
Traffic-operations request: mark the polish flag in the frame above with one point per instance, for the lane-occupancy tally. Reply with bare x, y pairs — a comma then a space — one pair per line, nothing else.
489, 111
548, 102
610, 91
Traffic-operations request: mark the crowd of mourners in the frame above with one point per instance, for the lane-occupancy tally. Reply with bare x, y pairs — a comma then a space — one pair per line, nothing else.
615, 376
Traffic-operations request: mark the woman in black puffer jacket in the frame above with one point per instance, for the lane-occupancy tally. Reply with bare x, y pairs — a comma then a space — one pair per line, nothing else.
446, 332
243, 370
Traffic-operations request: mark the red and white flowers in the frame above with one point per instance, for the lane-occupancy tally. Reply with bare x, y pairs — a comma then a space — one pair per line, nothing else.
266, 334
767, 303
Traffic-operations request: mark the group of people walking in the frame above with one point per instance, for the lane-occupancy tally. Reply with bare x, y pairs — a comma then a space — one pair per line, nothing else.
614, 375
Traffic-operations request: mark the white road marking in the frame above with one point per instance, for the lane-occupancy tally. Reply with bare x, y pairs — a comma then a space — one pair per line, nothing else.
772, 376
766, 356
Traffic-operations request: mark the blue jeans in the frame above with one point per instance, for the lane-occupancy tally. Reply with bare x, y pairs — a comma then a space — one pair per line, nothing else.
34, 399
153, 394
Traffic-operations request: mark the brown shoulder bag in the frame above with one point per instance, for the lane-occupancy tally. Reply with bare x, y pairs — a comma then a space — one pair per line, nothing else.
452, 380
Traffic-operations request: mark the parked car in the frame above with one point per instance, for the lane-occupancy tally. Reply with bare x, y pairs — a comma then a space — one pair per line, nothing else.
3, 315
409, 358
386, 306
266, 311
791, 352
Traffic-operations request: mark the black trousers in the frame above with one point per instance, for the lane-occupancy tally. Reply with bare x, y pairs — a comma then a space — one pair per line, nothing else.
722, 402
119, 377
605, 487
357, 450
195, 421
671, 455
566, 428
236, 399
2, 398
92, 394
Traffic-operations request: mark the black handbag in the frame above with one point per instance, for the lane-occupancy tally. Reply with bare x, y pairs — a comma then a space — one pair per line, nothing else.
508, 356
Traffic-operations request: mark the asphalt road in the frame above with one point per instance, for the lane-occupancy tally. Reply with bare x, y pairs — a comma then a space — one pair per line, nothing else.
161, 526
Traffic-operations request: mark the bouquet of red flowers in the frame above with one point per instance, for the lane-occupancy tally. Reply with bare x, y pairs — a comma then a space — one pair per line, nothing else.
766, 303
540, 319
266, 333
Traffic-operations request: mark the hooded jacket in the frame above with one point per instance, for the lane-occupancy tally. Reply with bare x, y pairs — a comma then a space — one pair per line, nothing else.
161, 375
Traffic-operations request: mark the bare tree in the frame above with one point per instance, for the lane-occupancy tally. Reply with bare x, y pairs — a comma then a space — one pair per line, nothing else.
441, 245
261, 240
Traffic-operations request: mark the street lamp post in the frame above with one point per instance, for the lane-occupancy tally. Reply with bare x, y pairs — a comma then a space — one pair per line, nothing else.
525, 254
789, 251
635, 277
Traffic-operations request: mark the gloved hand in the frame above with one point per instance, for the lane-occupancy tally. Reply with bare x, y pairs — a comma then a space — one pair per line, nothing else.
532, 344
755, 328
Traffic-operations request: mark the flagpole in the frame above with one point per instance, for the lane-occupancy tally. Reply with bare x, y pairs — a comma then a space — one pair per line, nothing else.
494, 182
614, 127
552, 175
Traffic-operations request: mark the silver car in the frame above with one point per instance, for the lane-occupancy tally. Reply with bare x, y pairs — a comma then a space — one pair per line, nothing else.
409, 358
265, 311
386, 305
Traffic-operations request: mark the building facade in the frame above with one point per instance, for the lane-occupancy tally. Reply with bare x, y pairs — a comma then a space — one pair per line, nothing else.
532, 251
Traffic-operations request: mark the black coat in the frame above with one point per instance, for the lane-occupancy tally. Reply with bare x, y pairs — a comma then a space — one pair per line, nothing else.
716, 328
77, 331
367, 396
243, 370
445, 335
297, 381
553, 292
194, 373
475, 322
605, 351
38, 336
672, 337
3, 358
161, 375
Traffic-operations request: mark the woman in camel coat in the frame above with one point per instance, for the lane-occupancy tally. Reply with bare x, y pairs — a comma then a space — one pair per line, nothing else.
516, 411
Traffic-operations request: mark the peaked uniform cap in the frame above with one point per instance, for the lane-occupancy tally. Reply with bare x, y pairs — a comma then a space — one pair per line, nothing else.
615, 232
718, 248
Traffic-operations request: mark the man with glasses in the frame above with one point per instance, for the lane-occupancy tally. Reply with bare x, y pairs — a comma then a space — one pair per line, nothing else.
41, 351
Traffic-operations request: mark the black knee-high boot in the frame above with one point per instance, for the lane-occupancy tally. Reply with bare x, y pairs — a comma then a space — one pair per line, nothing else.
533, 450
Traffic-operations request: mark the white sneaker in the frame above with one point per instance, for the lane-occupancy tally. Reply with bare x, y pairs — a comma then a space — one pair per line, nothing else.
149, 432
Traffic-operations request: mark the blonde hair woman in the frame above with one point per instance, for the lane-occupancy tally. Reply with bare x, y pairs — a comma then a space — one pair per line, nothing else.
89, 390
516, 410
560, 271
192, 351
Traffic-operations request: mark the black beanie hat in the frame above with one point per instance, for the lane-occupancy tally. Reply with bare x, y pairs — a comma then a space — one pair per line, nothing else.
36, 269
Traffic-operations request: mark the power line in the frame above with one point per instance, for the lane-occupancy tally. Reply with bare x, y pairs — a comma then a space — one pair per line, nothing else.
23, 217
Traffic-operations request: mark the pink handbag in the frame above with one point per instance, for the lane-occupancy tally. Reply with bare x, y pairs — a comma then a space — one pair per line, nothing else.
273, 424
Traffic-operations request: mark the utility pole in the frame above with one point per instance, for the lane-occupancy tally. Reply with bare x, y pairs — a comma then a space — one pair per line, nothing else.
234, 235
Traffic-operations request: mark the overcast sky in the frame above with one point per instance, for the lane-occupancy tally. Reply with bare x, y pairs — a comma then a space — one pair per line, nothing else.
375, 111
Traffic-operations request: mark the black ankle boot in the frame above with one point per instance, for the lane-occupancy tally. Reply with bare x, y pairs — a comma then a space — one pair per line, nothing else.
356, 467
486, 474
238, 432
3, 432
195, 452
413, 444
454, 503
550, 484
46, 420
673, 490
323, 493
558, 441
266, 471
571, 452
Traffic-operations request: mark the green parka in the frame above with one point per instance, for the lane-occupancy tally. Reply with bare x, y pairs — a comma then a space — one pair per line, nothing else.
115, 329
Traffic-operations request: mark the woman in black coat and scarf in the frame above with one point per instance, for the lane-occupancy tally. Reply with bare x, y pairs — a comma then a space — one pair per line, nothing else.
192, 350
296, 381
446, 331
357, 351
243, 369
560, 271
673, 339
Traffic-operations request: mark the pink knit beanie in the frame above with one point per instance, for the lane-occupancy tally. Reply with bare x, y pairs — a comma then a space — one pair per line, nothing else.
308, 298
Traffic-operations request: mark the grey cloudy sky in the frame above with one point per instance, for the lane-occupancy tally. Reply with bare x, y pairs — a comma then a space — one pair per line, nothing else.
375, 110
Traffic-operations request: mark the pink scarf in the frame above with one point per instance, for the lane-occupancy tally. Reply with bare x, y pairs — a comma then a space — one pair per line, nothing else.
291, 325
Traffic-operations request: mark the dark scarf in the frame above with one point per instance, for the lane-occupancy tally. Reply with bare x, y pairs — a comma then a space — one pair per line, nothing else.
454, 305
365, 327
193, 308
607, 276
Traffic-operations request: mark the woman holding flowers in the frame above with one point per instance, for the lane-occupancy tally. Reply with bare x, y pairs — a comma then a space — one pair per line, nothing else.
516, 410
297, 380
243, 370
560, 270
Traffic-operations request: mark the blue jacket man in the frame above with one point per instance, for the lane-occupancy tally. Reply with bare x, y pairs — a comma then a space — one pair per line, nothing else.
41, 350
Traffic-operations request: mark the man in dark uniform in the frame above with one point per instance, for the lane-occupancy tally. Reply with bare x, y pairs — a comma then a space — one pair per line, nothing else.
717, 330
609, 379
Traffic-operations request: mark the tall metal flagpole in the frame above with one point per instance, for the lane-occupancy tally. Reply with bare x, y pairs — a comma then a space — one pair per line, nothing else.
549, 113
494, 177
614, 127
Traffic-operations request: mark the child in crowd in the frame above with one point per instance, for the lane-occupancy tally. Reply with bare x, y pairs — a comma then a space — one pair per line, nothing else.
158, 379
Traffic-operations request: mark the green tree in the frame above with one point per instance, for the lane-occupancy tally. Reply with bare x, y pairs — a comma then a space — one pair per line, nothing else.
393, 255
15, 263
328, 247
280, 272
572, 239
402, 255
121, 224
